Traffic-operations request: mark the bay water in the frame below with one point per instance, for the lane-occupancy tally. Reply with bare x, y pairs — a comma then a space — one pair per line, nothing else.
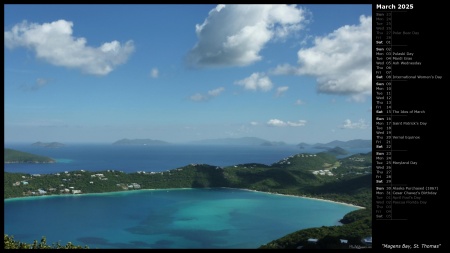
169, 218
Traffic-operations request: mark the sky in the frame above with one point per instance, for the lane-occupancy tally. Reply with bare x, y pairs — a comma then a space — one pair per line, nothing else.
180, 73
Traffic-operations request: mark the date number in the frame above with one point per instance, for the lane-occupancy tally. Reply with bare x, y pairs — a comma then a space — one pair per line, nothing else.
405, 6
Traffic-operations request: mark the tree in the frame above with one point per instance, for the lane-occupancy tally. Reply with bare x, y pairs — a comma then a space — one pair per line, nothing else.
10, 243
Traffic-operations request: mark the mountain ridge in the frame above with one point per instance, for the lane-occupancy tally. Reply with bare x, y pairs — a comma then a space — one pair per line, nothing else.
48, 144
238, 141
356, 143
140, 142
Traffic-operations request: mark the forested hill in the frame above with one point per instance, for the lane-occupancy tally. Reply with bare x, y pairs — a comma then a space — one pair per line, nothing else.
15, 156
312, 175
357, 225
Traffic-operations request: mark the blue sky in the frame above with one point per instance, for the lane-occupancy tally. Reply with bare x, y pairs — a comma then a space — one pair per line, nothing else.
178, 73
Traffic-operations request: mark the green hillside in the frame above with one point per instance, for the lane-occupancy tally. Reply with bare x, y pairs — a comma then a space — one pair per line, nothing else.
358, 226
320, 176
15, 156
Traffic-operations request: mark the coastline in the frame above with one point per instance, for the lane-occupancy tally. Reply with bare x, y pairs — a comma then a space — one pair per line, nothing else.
91, 193
296, 196
34, 162
162, 189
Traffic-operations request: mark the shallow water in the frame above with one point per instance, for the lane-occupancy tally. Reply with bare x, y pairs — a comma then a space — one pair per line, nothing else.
176, 218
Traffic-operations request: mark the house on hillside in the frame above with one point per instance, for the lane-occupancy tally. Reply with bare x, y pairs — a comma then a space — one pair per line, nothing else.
367, 240
313, 240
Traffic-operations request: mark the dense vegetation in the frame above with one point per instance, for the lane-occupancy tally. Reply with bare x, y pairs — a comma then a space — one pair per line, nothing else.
10, 243
15, 156
358, 225
319, 175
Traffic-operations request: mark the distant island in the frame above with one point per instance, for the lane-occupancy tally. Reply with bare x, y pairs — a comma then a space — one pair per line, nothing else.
358, 143
48, 144
273, 143
254, 141
140, 142
336, 151
248, 141
15, 156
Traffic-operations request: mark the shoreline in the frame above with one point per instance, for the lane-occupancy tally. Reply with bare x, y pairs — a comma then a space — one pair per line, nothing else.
91, 193
161, 189
297, 196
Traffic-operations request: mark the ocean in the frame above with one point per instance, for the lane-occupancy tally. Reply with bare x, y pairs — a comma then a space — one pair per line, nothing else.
174, 218
96, 157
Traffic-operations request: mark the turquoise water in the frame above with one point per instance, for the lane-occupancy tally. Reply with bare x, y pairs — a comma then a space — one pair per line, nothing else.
62, 160
177, 218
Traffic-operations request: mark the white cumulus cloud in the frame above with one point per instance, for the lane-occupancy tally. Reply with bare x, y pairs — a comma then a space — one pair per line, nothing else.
280, 123
198, 97
341, 61
361, 124
39, 84
234, 35
210, 94
281, 90
216, 92
256, 81
297, 124
53, 42
299, 102
154, 73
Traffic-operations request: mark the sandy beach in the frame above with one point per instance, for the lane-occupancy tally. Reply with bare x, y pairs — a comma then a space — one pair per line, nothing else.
161, 189
296, 196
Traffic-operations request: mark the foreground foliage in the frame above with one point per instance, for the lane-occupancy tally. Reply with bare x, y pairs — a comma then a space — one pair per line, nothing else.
358, 225
10, 243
